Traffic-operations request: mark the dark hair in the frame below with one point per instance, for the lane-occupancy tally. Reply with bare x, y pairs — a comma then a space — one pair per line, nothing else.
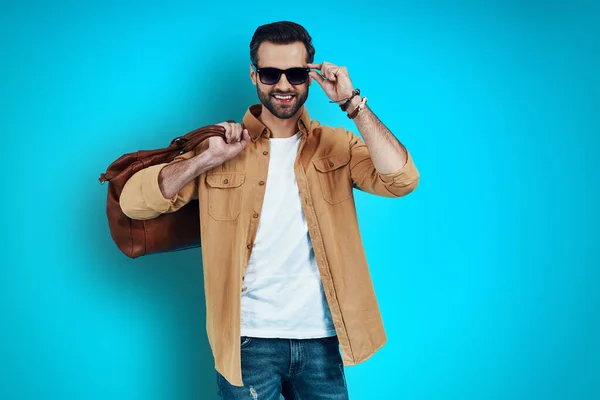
282, 32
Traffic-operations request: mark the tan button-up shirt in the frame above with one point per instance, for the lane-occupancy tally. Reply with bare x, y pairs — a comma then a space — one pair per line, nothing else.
330, 163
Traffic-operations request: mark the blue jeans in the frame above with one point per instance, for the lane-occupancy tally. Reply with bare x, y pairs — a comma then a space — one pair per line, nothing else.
299, 369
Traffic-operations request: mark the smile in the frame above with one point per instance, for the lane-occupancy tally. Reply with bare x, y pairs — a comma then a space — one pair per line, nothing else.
284, 98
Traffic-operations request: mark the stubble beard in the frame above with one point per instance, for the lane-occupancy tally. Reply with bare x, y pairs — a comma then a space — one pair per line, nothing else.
279, 111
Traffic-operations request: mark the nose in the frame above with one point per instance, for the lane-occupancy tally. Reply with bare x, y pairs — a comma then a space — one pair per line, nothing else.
283, 84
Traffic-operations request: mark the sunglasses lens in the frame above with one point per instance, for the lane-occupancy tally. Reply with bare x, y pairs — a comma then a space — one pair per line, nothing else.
269, 76
297, 76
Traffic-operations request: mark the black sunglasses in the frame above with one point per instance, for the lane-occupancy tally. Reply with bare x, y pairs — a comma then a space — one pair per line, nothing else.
270, 76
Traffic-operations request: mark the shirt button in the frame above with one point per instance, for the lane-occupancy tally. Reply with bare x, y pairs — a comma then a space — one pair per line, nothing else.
255, 215
226, 181
261, 183
249, 246
331, 163
265, 153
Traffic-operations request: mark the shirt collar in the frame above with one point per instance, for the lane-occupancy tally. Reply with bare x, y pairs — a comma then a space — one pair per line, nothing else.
256, 128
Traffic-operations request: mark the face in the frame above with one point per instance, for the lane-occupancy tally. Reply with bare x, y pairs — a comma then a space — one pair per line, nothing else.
282, 56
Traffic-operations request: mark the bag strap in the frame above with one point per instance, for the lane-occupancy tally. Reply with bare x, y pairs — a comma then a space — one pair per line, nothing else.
192, 139
184, 143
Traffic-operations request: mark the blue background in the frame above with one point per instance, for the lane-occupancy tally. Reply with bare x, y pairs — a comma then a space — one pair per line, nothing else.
487, 275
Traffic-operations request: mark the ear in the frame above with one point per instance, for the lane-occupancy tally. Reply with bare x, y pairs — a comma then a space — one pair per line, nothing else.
252, 75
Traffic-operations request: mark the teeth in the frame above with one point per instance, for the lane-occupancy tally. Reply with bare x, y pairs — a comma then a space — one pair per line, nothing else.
283, 97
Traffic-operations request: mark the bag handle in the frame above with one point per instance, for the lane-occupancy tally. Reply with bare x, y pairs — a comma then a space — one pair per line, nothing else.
184, 143
192, 139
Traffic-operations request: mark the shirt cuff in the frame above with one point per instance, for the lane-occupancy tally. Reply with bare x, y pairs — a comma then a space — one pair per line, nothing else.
407, 174
151, 190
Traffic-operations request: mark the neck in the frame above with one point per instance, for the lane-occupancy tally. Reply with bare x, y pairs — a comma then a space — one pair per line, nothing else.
280, 128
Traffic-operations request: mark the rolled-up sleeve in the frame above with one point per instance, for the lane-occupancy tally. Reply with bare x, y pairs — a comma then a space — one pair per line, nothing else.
142, 198
365, 176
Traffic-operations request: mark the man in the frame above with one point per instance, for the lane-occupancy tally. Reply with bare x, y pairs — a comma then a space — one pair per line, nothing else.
286, 278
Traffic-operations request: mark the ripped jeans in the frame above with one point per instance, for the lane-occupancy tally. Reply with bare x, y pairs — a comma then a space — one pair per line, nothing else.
298, 369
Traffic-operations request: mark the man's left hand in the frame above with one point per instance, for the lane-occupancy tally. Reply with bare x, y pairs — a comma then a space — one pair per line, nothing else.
334, 80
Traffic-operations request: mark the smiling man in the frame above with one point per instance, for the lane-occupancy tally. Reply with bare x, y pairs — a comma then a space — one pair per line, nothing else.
289, 297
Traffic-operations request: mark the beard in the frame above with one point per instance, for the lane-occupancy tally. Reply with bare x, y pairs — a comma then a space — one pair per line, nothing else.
279, 110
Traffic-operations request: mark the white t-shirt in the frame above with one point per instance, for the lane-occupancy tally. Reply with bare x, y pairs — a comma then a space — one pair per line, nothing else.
282, 293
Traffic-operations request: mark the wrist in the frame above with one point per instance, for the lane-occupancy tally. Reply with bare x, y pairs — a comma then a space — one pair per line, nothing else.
347, 99
208, 160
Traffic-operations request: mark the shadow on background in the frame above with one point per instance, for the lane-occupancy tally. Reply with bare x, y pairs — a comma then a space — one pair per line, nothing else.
173, 282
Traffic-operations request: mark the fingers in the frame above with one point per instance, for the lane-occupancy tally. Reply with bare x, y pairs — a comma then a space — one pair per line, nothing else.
236, 133
233, 132
227, 126
245, 137
316, 76
328, 70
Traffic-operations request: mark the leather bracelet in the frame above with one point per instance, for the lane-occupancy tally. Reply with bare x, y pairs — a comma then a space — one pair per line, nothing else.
344, 106
359, 107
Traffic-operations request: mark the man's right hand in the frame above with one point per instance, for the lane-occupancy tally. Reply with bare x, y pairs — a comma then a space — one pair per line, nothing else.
175, 176
236, 140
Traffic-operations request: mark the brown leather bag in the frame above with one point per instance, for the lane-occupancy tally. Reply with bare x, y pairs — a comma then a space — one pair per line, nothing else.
175, 231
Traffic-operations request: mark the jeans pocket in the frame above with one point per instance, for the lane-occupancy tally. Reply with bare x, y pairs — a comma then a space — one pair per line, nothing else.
245, 341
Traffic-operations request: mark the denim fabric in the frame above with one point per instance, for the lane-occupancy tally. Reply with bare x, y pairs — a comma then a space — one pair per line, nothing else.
300, 369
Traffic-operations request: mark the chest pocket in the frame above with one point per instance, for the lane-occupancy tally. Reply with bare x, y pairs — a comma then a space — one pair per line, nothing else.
225, 194
334, 176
